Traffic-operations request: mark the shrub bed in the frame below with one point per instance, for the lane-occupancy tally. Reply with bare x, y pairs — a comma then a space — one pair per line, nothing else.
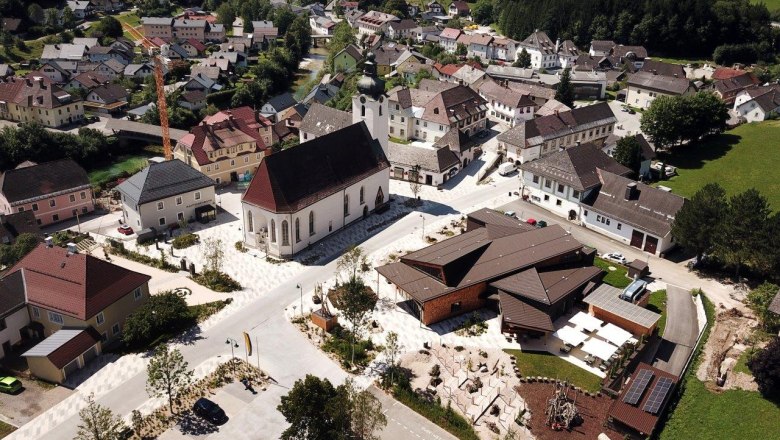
444, 417
340, 344
118, 248
217, 281
185, 240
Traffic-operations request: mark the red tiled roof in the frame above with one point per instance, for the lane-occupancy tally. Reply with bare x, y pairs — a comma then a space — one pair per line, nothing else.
226, 133
726, 73
76, 285
200, 47
73, 348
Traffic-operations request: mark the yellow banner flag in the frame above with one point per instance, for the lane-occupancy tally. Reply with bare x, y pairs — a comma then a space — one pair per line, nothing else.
248, 342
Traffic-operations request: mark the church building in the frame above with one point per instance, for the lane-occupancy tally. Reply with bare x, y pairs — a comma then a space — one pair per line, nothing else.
302, 194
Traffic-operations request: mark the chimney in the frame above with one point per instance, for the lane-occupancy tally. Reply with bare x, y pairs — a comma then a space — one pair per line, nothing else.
72, 248
49, 242
630, 190
675, 75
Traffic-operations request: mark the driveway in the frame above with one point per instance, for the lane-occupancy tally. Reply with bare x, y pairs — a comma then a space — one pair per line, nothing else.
35, 398
627, 124
680, 333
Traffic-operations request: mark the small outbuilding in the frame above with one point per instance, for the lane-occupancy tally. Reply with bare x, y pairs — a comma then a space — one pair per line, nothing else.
606, 304
63, 353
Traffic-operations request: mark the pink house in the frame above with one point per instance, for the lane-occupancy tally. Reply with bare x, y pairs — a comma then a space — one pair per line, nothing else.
53, 191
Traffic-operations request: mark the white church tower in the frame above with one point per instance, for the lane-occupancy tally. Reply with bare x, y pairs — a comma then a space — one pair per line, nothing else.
370, 104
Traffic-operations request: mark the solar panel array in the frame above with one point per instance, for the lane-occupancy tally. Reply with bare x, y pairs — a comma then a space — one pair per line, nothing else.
638, 387
658, 395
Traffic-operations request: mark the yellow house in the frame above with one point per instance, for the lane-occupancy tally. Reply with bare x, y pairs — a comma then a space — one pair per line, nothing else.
68, 291
225, 151
63, 354
34, 100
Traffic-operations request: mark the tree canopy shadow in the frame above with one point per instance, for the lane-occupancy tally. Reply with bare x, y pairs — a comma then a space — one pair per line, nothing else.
696, 155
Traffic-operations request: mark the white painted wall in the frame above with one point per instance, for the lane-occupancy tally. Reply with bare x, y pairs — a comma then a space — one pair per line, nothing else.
552, 196
328, 217
617, 230
147, 215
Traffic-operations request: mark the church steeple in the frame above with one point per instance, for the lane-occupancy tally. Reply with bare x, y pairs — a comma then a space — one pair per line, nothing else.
370, 103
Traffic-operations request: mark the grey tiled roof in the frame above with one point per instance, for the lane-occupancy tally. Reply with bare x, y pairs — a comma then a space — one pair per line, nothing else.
321, 120
429, 159
161, 180
576, 166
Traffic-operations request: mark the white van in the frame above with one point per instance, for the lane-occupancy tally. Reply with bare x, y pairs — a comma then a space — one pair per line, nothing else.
507, 168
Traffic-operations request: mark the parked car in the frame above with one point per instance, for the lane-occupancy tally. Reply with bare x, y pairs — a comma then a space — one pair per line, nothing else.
210, 411
507, 168
531, 221
615, 257
541, 224
125, 229
510, 214
10, 384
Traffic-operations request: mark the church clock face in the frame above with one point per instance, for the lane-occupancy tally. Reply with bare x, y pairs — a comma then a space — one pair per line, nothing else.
362, 99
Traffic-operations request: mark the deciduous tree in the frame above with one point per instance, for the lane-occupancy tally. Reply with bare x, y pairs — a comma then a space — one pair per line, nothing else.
743, 230
628, 152
316, 410
523, 59
414, 181
98, 422
759, 300
167, 374
366, 414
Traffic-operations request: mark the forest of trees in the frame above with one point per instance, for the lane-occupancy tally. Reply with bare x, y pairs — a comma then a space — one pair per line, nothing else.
670, 27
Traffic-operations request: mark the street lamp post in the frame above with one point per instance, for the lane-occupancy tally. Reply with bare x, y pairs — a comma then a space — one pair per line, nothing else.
233, 345
423, 226
298, 286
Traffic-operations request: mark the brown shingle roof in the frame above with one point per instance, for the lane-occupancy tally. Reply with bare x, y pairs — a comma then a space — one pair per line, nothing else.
663, 69
516, 312
633, 415
72, 349
558, 124
649, 209
486, 216
232, 131
576, 166
38, 180
328, 164
664, 84
76, 285
547, 287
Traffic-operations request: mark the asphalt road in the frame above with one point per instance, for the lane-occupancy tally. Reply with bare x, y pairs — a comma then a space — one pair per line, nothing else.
680, 333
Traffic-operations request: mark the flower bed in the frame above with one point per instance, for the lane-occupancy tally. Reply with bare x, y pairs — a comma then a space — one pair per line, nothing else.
185, 240
217, 281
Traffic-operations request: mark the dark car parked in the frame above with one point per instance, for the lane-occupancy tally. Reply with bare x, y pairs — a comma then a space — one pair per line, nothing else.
210, 411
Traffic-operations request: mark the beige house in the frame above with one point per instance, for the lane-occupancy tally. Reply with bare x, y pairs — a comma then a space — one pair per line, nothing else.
63, 354
225, 151
33, 100
645, 87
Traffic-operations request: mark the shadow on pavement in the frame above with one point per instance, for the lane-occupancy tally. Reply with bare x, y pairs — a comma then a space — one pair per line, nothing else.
190, 424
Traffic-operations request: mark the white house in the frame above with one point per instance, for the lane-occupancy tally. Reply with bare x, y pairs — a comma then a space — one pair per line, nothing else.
756, 103
165, 193
632, 212
373, 22
505, 104
448, 39
544, 53
645, 87
561, 181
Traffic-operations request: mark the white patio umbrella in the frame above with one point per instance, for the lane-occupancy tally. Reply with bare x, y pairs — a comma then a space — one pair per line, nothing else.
600, 349
586, 321
614, 334
570, 335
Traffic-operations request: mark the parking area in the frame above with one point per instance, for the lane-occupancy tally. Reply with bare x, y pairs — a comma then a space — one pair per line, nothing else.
232, 398
34, 399
628, 124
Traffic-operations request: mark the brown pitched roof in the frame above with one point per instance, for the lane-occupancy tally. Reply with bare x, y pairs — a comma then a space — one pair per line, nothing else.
486, 216
622, 51
452, 105
31, 93
13, 225
515, 311
295, 178
735, 83
649, 209
663, 69
576, 166
482, 255
65, 345
91, 79
664, 84
76, 285
436, 160
559, 124
602, 45
39, 180
547, 287
633, 415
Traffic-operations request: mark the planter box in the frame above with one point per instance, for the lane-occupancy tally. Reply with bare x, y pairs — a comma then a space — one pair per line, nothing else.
325, 322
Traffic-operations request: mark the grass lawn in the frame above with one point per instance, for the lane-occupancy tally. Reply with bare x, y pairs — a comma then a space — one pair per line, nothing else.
33, 52
741, 365
616, 278
657, 304
546, 364
736, 414
683, 61
6, 429
739, 159
131, 19
125, 164
770, 4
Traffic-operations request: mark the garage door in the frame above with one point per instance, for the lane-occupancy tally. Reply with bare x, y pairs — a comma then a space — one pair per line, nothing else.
637, 238
90, 354
651, 244
71, 368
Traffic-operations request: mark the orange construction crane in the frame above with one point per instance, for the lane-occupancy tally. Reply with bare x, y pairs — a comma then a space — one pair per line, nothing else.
162, 105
